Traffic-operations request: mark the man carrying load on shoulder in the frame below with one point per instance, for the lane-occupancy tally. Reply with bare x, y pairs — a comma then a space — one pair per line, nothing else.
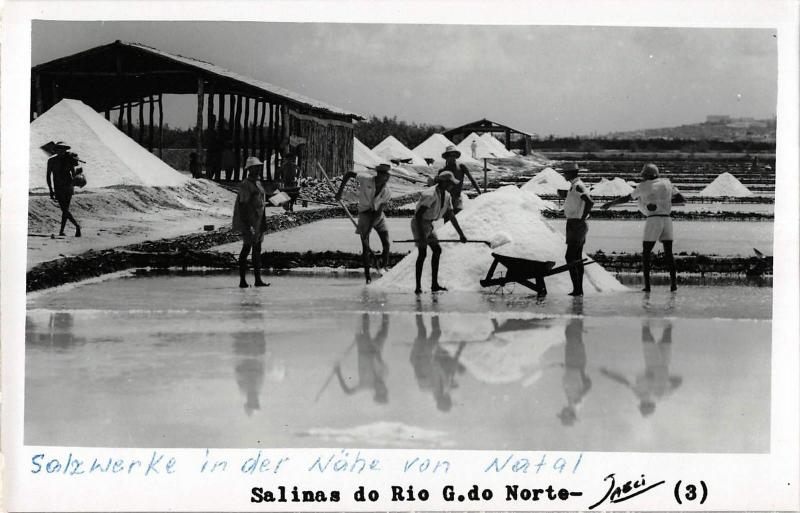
656, 197
373, 195
434, 204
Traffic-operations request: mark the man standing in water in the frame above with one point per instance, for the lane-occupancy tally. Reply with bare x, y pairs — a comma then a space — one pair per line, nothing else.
655, 196
248, 219
459, 171
373, 195
577, 206
434, 204
60, 176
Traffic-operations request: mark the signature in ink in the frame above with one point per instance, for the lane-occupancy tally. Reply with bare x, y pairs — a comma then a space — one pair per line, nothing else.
626, 491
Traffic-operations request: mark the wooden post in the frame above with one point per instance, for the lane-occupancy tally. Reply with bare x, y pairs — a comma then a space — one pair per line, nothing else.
508, 139
160, 128
246, 130
210, 120
198, 129
270, 125
141, 122
150, 131
119, 119
237, 143
485, 176
129, 115
254, 130
261, 130
221, 115
39, 102
108, 115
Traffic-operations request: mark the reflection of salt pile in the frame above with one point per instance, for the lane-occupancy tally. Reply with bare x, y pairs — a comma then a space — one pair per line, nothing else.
483, 150
392, 149
112, 158
726, 185
507, 210
502, 151
507, 351
546, 181
433, 147
615, 187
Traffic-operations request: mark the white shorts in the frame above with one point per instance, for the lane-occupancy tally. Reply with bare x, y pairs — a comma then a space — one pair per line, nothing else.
658, 228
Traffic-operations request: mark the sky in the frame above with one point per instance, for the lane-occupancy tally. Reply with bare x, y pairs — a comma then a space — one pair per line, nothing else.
559, 80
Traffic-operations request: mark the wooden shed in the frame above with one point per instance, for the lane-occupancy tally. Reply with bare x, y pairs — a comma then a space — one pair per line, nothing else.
126, 81
486, 126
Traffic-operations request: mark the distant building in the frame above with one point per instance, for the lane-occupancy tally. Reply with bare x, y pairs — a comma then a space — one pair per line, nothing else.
715, 119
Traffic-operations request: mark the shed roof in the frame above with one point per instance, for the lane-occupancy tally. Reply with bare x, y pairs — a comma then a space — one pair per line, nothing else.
483, 125
136, 70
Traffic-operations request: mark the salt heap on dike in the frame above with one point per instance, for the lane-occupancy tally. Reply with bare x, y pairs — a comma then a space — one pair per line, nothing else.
546, 181
363, 157
497, 145
615, 187
483, 149
726, 185
112, 158
392, 149
507, 211
434, 146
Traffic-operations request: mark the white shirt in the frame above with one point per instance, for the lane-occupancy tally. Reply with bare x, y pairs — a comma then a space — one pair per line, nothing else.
367, 198
655, 196
436, 208
574, 204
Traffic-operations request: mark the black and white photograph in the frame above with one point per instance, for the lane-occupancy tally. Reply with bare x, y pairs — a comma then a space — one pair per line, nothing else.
421, 236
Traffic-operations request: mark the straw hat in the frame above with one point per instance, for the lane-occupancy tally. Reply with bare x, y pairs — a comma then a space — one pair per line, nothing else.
570, 166
383, 167
253, 162
446, 176
451, 149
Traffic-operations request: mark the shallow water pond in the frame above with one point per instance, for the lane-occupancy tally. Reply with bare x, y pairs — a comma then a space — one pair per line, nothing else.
192, 361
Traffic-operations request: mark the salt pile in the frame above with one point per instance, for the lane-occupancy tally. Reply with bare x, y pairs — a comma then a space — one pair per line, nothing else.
546, 181
112, 158
483, 150
507, 210
497, 145
433, 147
726, 185
363, 157
392, 149
615, 187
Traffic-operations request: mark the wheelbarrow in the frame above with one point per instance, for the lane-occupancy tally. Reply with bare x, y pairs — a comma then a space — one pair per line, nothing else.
528, 273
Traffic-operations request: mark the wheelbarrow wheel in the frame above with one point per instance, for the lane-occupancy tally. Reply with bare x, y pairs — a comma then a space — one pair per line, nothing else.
502, 290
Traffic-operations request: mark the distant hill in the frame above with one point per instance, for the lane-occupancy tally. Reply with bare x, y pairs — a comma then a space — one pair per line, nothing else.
721, 128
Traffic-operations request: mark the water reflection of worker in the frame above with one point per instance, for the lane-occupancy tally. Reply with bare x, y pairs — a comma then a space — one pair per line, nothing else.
372, 369
575, 381
250, 349
655, 382
434, 367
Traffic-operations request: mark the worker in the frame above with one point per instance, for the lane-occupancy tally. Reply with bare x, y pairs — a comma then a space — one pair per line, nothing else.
655, 196
61, 174
577, 206
435, 203
373, 196
459, 171
248, 219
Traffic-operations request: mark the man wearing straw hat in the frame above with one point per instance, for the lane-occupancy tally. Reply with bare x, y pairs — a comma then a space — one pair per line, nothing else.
61, 174
248, 219
373, 195
434, 204
459, 171
577, 206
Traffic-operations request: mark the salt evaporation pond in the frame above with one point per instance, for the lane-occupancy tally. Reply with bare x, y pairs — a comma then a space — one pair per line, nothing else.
706, 237
193, 361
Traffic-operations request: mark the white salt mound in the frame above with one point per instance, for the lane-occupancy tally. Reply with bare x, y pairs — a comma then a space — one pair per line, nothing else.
514, 213
483, 150
546, 181
363, 157
434, 146
392, 149
615, 187
499, 146
726, 185
112, 158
